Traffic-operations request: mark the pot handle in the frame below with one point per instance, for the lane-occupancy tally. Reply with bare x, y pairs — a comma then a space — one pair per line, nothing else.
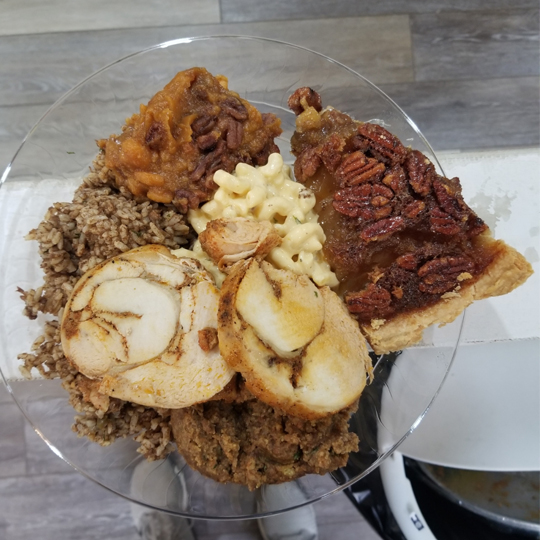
401, 499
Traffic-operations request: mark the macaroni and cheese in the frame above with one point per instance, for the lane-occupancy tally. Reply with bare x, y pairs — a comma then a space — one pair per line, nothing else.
269, 193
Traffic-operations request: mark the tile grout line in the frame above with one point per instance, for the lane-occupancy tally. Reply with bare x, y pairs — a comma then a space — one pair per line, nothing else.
263, 21
500, 10
457, 80
179, 26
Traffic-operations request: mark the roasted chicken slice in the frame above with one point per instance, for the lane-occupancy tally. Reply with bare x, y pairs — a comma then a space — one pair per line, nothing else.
229, 240
295, 344
144, 324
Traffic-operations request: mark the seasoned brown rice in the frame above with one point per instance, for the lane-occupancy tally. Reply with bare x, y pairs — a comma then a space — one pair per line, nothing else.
100, 223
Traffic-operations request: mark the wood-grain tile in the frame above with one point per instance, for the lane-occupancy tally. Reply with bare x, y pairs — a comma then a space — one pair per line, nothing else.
12, 442
347, 531
247, 10
15, 123
450, 46
62, 507
227, 530
31, 16
36, 70
488, 113
40, 68
337, 519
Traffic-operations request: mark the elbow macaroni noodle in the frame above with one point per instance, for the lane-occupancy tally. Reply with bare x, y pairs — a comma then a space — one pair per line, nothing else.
269, 193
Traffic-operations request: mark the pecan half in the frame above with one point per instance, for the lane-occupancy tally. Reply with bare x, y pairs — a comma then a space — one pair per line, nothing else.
207, 141
210, 163
306, 164
441, 275
203, 124
331, 151
475, 225
395, 179
414, 209
261, 158
302, 98
235, 133
359, 143
421, 172
382, 212
354, 202
233, 107
442, 223
408, 261
268, 118
448, 195
383, 144
372, 302
365, 201
185, 199
356, 168
199, 171
155, 136
380, 201
382, 229
382, 194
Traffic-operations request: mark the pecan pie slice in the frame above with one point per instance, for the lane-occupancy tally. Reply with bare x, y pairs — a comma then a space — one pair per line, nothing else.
194, 126
407, 249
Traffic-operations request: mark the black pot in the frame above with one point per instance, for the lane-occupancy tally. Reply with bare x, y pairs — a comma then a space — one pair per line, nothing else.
462, 504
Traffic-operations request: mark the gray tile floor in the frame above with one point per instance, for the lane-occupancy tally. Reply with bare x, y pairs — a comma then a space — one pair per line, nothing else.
467, 72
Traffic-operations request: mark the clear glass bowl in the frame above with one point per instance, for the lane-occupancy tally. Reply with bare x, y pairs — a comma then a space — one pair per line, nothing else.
48, 167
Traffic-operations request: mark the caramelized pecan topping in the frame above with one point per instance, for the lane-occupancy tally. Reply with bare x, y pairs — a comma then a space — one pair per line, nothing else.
366, 201
261, 158
441, 275
185, 199
407, 261
475, 225
421, 172
302, 98
372, 301
448, 195
443, 223
414, 209
331, 151
234, 134
306, 164
383, 145
382, 229
398, 233
356, 168
395, 179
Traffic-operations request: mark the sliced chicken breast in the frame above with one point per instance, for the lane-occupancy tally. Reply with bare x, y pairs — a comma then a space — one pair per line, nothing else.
143, 323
